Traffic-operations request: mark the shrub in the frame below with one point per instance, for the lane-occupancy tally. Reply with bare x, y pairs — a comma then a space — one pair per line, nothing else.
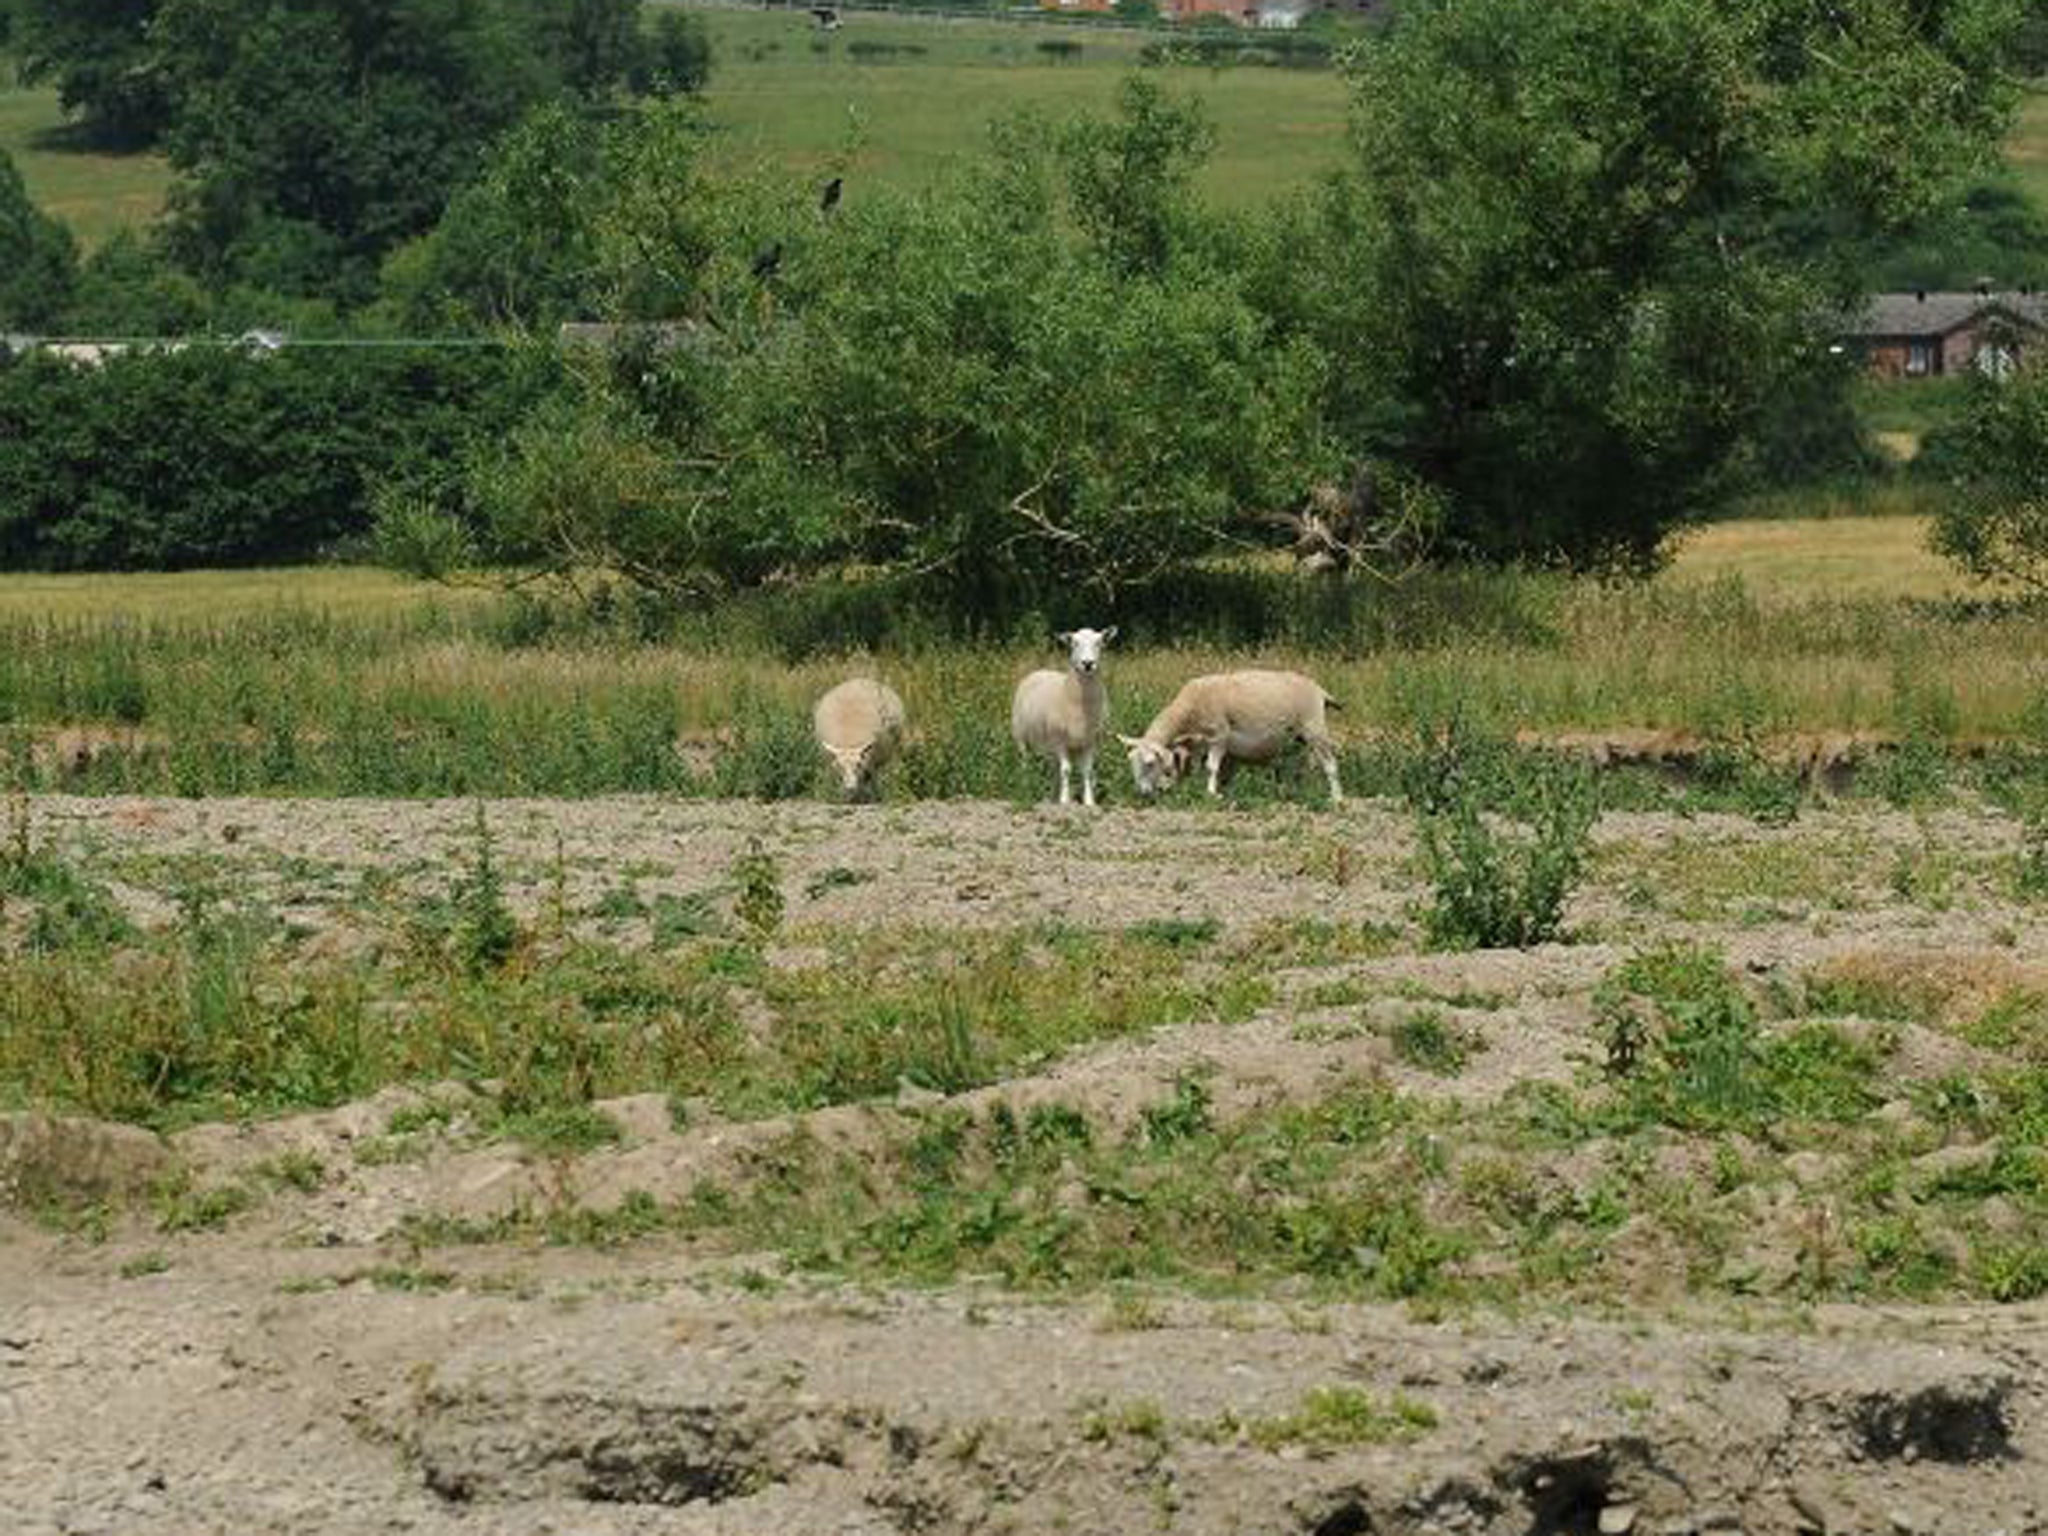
1683, 1037
1997, 527
486, 932
1496, 888
162, 460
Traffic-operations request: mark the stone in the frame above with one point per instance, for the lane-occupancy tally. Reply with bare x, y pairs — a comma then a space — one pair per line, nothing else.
59, 1157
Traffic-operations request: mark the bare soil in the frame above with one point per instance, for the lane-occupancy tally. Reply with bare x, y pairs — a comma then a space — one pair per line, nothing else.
309, 1369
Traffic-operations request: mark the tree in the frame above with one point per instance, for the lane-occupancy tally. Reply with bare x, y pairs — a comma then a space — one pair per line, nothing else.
595, 44
317, 135
972, 387
129, 287
1552, 266
675, 56
97, 53
515, 246
1131, 175
38, 260
1995, 526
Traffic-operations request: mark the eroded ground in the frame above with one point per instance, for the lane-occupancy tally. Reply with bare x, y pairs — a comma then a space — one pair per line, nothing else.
1029, 1171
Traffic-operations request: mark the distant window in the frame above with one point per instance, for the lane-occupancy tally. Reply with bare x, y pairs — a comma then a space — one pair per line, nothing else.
1919, 358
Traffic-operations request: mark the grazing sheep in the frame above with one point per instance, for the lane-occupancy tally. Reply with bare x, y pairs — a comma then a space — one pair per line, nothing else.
1246, 716
1061, 714
860, 726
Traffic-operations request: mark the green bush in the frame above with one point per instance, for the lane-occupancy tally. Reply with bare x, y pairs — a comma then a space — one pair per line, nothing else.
1683, 1038
212, 457
1496, 888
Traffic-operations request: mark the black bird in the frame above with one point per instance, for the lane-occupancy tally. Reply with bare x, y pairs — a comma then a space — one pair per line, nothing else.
829, 198
768, 262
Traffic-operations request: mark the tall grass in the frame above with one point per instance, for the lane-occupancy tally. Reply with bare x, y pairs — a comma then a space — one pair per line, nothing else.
515, 698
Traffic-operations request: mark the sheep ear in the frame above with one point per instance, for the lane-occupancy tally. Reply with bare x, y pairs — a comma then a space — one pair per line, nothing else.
1109, 634
1130, 742
1064, 637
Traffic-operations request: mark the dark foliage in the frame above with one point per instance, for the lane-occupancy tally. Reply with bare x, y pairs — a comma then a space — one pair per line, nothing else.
210, 456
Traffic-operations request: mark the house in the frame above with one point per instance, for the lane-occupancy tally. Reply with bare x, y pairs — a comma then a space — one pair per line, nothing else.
1927, 334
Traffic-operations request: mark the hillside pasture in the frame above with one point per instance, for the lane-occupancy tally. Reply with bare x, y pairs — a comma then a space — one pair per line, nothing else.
900, 95
96, 194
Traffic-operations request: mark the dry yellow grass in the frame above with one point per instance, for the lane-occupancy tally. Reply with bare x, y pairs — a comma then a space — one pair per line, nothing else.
1849, 557
1845, 557
212, 596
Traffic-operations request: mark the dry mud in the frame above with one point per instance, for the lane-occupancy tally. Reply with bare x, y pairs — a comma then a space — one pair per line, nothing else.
307, 1369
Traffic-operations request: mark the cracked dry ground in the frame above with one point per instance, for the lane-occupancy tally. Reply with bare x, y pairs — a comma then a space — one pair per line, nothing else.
1326, 1232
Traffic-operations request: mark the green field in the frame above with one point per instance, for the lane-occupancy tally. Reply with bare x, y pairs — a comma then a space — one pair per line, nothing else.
786, 93
96, 194
782, 92
2028, 147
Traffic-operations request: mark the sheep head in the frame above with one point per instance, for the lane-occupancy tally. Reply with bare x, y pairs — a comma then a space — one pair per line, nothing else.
1084, 648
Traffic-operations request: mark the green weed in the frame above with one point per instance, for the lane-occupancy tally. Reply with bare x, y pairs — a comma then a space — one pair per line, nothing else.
1426, 1039
1494, 889
182, 1206
757, 881
1331, 1418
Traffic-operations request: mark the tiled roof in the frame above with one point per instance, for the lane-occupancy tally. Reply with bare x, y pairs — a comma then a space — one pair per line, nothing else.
1937, 314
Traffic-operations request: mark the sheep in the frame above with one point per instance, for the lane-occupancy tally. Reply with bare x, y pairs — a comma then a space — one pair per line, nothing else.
1248, 716
1062, 714
859, 725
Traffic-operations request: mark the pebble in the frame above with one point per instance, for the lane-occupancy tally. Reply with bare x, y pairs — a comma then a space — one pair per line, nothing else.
1617, 1520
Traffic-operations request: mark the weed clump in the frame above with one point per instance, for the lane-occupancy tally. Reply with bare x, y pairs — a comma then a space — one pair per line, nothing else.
1683, 1039
68, 908
486, 933
1495, 889
757, 883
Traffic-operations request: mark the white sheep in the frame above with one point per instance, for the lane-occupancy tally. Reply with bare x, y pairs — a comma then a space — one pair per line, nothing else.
1245, 716
1062, 714
860, 725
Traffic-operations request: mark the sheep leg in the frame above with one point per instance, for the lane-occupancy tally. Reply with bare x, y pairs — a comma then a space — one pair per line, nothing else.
1066, 780
1088, 778
1216, 756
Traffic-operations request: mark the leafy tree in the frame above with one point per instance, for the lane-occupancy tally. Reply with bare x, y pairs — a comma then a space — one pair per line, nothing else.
97, 53
210, 456
1131, 175
1996, 525
675, 56
317, 135
129, 287
515, 246
975, 386
594, 43
38, 261
1552, 266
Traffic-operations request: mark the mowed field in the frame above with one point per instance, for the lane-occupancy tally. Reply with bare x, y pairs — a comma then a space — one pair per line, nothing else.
788, 94
96, 194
